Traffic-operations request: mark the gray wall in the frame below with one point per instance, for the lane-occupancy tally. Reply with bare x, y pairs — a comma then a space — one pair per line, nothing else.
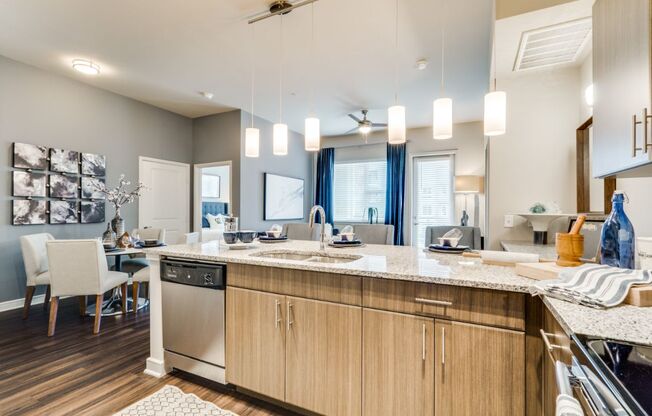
216, 138
45, 109
297, 164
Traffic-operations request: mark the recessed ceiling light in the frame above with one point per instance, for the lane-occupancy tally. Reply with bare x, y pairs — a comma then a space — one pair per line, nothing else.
86, 67
207, 95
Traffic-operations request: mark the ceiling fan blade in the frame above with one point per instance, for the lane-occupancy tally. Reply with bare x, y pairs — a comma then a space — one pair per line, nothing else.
352, 130
378, 125
357, 120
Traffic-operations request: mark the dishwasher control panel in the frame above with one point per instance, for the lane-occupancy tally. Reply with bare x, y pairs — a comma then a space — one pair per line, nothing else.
208, 275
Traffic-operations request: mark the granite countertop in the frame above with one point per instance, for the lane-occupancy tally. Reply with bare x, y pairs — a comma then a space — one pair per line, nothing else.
624, 323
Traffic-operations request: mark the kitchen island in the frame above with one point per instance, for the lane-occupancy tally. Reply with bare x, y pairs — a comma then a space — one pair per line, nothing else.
378, 329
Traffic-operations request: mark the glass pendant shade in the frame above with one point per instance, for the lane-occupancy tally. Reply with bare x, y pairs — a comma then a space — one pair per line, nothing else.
442, 119
396, 124
312, 135
252, 142
495, 113
280, 140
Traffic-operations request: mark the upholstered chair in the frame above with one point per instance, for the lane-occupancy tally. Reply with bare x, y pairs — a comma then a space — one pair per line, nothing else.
35, 257
375, 233
471, 236
302, 231
138, 281
79, 268
137, 262
189, 238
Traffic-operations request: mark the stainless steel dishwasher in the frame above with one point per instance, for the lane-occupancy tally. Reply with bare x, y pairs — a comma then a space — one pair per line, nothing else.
193, 302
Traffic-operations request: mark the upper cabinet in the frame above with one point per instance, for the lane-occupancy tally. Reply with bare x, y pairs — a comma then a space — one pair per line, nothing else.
622, 139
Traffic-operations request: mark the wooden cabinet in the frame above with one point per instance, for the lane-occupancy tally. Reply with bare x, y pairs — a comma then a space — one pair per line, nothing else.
478, 370
621, 79
398, 364
323, 357
255, 341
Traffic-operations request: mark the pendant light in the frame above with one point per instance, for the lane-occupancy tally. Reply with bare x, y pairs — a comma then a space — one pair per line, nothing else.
396, 113
495, 103
442, 108
252, 134
311, 132
280, 133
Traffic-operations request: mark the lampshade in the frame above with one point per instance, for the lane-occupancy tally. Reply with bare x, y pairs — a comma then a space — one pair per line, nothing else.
469, 184
442, 119
252, 142
312, 135
495, 113
396, 124
280, 141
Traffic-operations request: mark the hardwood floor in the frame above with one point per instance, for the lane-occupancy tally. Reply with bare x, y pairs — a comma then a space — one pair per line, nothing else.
78, 373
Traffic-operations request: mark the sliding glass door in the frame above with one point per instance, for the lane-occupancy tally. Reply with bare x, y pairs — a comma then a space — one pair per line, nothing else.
432, 194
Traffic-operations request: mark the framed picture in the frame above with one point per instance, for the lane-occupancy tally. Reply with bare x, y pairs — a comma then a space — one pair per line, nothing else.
63, 212
210, 186
62, 186
89, 188
283, 198
92, 212
29, 211
64, 161
29, 156
29, 184
92, 164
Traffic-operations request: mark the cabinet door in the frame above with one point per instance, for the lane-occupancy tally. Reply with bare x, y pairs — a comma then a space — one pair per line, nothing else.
559, 350
255, 341
621, 79
478, 370
323, 357
398, 368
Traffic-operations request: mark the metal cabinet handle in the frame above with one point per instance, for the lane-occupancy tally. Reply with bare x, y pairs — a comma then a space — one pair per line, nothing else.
443, 345
277, 314
433, 302
290, 321
423, 342
550, 347
646, 117
635, 149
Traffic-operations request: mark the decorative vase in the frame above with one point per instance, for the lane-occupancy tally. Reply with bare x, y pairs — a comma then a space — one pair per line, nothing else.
108, 237
118, 224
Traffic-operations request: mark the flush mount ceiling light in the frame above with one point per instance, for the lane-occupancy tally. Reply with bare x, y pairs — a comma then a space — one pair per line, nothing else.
207, 95
396, 113
280, 7
85, 67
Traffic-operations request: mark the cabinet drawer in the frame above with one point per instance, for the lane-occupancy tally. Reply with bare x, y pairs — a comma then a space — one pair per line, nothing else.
328, 287
481, 306
556, 342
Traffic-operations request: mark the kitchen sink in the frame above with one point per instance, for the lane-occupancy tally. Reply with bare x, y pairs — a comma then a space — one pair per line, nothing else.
310, 257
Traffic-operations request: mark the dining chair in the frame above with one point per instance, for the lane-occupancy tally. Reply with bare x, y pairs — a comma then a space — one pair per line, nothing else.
302, 231
138, 281
79, 268
471, 236
138, 261
375, 233
35, 257
189, 238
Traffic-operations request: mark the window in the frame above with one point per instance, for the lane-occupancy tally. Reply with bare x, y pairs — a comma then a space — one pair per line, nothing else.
432, 194
357, 187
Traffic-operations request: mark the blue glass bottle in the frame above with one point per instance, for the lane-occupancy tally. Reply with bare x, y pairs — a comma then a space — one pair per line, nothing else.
617, 239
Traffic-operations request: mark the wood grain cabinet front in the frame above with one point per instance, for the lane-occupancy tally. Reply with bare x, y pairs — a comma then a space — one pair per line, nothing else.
478, 370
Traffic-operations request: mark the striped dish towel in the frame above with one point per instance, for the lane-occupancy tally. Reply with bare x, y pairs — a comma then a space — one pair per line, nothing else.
593, 285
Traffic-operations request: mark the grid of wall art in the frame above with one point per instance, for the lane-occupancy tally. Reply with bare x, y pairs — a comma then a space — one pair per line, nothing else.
49, 183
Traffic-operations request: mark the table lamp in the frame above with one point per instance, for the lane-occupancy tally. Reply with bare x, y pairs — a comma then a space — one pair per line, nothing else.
468, 184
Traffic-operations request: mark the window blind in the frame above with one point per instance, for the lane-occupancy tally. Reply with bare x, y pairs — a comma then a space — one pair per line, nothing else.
432, 194
358, 186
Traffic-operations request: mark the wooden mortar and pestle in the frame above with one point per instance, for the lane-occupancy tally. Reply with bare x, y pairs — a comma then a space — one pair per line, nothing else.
570, 246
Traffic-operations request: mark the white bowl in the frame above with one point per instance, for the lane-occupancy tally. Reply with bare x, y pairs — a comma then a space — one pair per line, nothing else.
449, 241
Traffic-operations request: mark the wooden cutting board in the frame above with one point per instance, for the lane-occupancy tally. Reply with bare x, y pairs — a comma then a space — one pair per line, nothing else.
638, 296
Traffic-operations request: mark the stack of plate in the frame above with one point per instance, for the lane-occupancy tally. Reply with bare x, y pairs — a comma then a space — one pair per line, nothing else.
340, 243
438, 248
267, 239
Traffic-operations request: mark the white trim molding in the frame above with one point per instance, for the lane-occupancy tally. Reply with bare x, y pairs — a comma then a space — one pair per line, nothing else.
19, 303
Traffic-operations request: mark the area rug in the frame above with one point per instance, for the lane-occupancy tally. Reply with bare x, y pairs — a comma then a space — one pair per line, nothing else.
171, 401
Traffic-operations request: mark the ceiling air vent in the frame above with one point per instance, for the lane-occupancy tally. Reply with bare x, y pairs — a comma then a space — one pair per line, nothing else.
552, 45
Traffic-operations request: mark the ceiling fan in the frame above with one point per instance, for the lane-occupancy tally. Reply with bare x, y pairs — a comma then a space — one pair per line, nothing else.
364, 126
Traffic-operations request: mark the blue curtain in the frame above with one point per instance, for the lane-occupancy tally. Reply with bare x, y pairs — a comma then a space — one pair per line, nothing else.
325, 175
395, 194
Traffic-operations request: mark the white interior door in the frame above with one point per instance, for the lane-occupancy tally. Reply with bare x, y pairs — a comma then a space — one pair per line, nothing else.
166, 201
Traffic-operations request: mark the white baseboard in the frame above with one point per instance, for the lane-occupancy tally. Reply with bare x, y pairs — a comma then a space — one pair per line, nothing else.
155, 368
18, 303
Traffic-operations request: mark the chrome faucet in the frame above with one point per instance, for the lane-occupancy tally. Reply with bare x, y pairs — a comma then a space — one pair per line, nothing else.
322, 214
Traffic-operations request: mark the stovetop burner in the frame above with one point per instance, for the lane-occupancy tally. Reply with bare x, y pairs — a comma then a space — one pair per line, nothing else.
630, 365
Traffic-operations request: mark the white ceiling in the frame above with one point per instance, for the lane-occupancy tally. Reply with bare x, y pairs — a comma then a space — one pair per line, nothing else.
164, 52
